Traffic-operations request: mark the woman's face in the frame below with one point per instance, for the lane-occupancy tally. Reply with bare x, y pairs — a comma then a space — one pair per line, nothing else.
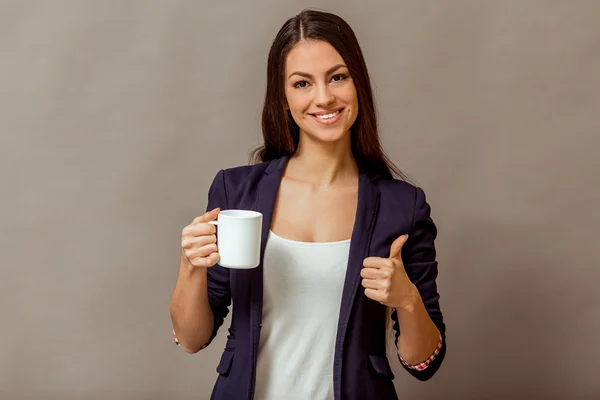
319, 91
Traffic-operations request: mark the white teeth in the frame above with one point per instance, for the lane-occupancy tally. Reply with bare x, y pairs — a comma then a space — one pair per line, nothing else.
327, 116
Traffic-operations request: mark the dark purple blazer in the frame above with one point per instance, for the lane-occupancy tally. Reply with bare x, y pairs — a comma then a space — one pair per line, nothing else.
387, 208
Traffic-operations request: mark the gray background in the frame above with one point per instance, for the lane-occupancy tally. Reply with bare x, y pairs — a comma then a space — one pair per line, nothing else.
115, 116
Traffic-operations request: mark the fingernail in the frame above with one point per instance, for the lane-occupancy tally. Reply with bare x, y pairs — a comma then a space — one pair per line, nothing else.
406, 235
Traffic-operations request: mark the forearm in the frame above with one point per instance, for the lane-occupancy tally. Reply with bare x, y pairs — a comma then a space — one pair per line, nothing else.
419, 336
191, 314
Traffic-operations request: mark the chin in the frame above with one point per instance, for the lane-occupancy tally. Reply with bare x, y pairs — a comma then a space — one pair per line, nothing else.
327, 136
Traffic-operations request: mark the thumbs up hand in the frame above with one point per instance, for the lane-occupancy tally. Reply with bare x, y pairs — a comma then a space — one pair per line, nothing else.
385, 279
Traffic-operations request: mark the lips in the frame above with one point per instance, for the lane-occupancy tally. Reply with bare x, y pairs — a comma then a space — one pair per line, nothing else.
327, 117
327, 114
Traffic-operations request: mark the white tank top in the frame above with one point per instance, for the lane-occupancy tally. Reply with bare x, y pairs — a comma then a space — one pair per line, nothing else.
303, 285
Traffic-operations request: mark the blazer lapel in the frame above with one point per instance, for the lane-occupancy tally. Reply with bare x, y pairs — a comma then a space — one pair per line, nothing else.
366, 211
265, 203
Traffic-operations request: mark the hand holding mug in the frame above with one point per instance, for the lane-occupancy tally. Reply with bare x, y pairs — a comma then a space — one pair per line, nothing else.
238, 236
198, 241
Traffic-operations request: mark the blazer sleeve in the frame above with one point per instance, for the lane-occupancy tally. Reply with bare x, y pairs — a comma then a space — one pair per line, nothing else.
219, 290
419, 257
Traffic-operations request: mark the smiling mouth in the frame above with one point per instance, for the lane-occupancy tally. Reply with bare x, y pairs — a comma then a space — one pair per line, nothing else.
330, 115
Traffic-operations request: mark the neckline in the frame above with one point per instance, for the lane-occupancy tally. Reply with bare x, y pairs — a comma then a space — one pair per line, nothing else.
309, 243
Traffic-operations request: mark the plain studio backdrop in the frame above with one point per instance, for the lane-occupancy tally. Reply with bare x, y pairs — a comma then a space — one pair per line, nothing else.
115, 116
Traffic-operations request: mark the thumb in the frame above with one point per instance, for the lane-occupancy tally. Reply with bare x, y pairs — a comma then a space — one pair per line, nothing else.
207, 216
396, 247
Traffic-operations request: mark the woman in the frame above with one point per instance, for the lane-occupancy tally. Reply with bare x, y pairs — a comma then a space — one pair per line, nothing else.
345, 246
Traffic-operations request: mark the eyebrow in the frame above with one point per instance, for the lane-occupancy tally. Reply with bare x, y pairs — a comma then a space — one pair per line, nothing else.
309, 76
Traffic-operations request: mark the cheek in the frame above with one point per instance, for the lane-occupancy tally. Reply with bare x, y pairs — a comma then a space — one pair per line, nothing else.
297, 102
354, 99
352, 103
354, 107
350, 97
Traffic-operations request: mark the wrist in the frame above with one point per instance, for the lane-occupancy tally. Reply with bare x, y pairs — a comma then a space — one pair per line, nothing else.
188, 270
413, 300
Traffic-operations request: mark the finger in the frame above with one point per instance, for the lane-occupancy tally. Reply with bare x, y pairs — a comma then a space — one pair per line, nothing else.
200, 229
203, 251
213, 259
373, 273
371, 284
378, 262
374, 294
206, 262
207, 216
396, 247
190, 242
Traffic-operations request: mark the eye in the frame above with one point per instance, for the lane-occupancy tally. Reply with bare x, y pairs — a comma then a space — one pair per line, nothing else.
300, 84
339, 77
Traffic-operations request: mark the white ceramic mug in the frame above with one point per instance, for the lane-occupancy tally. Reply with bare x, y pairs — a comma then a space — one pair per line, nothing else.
238, 238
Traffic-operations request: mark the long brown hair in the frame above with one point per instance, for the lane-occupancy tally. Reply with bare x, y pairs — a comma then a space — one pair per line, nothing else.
280, 131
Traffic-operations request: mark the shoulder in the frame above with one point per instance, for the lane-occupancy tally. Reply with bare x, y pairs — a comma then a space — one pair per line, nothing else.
242, 173
240, 176
239, 185
399, 195
395, 189
404, 204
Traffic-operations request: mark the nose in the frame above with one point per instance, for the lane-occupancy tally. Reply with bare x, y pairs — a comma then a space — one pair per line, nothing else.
324, 96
